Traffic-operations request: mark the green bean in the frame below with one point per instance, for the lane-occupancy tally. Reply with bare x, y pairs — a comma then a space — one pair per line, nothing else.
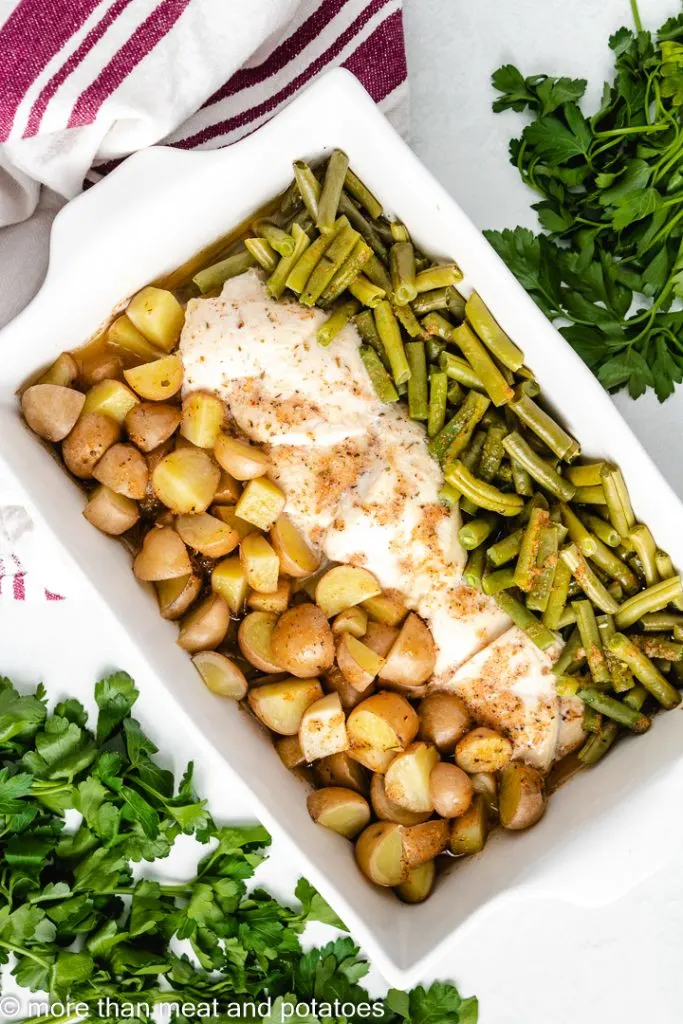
504, 473
408, 321
438, 326
434, 347
278, 279
390, 335
653, 599
538, 501
544, 426
215, 276
525, 619
521, 479
472, 453
590, 638
399, 232
336, 322
578, 533
439, 276
609, 562
546, 567
568, 686
482, 494
586, 475
636, 697
557, 598
377, 273
307, 262
365, 325
592, 587
622, 677
381, 381
426, 302
568, 616
644, 671
460, 370
362, 193
590, 496
338, 251
504, 550
543, 473
493, 452
309, 187
456, 434
418, 402
281, 241
402, 266
659, 647
469, 507
474, 569
664, 565
456, 304
366, 292
617, 499
333, 183
449, 495
492, 334
596, 746
656, 622
592, 720
456, 393
263, 252
347, 273
438, 393
525, 568
365, 228
646, 549
482, 364
572, 656
290, 201
603, 531
502, 579
475, 532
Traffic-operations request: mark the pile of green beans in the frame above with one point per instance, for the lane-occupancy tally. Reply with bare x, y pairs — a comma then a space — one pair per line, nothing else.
554, 541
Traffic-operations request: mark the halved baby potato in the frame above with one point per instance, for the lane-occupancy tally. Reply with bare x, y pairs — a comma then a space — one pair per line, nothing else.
228, 490
221, 675
110, 512
379, 637
276, 601
379, 854
387, 810
205, 626
149, 424
340, 810
202, 417
163, 556
469, 832
406, 781
351, 620
242, 460
383, 724
483, 750
255, 639
123, 469
227, 514
412, 657
158, 315
261, 566
444, 719
83, 448
302, 641
323, 728
124, 334
419, 883
111, 398
229, 580
344, 586
334, 682
206, 534
64, 371
386, 609
260, 503
296, 558
358, 664
451, 790
157, 381
186, 480
105, 367
51, 410
341, 770
175, 596
522, 796
486, 785
281, 706
424, 842
289, 751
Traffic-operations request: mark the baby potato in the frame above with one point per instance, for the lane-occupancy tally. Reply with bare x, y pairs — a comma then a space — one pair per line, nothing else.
385, 609
149, 424
123, 469
158, 315
260, 503
419, 883
255, 639
205, 626
302, 641
157, 381
424, 842
242, 460
486, 785
444, 719
111, 398
206, 534
340, 810
387, 810
281, 706
275, 601
296, 558
64, 371
176, 595
124, 335
221, 675
186, 480
351, 620
357, 663
406, 781
334, 682
378, 637
229, 580
469, 832
483, 750
203, 416
51, 410
341, 770
106, 367
344, 586
226, 513
323, 728
522, 796
83, 448
412, 658
373, 758
379, 854
110, 512
384, 724
163, 556
228, 490
289, 751
451, 790
261, 565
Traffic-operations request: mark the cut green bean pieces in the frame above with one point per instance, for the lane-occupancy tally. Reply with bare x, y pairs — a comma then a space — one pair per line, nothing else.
399, 232
280, 240
653, 599
622, 677
409, 322
659, 647
476, 531
572, 656
544, 426
214, 277
521, 480
493, 452
541, 471
603, 531
481, 493
449, 495
362, 194
557, 600
502, 579
366, 292
591, 585
347, 273
277, 281
472, 454
426, 302
609, 562
590, 496
381, 381
333, 183
460, 370
438, 395
661, 622
646, 550
438, 276
586, 475
616, 497
592, 720
263, 252
378, 273
418, 401
592, 645
366, 229
456, 393
437, 325
492, 334
483, 365
612, 708
644, 670
664, 564
504, 550
578, 532
526, 620
307, 262
474, 569
390, 336
336, 322
339, 249
309, 187
636, 697
546, 567
525, 570
596, 746
455, 435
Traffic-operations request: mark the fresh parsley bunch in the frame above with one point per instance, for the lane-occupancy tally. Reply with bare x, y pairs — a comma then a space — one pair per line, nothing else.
77, 923
609, 267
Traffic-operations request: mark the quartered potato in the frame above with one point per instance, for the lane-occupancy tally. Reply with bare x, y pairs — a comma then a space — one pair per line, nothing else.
229, 580
242, 460
486, 785
51, 410
255, 639
296, 558
385, 609
358, 664
206, 625
344, 586
261, 565
379, 637
124, 334
105, 368
387, 810
123, 469
483, 750
419, 883
290, 753
228, 490
522, 796
281, 706
406, 781
451, 790
351, 620
186, 480
157, 381
110, 512
158, 315
334, 682
341, 770
221, 675
379, 854
163, 556
111, 398
175, 596
323, 728
379, 728
206, 534
202, 417
444, 719
424, 842
411, 659
469, 832
260, 503
275, 601
303, 642
149, 424
227, 514
340, 810
64, 371
83, 448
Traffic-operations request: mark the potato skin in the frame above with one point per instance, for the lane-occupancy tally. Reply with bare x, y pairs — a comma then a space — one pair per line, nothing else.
149, 424
123, 469
302, 641
419, 883
522, 796
51, 410
444, 719
87, 443
341, 810
483, 750
451, 790
205, 626
341, 770
412, 657
393, 869
424, 842
387, 810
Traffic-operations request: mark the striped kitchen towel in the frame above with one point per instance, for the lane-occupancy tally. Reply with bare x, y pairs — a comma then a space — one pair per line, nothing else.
83, 83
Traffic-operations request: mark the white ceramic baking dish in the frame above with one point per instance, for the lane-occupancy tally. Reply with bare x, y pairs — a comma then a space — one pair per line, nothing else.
160, 207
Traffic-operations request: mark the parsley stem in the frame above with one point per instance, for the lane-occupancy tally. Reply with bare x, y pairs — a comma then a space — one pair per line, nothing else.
637, 129
636, 16
25, 952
